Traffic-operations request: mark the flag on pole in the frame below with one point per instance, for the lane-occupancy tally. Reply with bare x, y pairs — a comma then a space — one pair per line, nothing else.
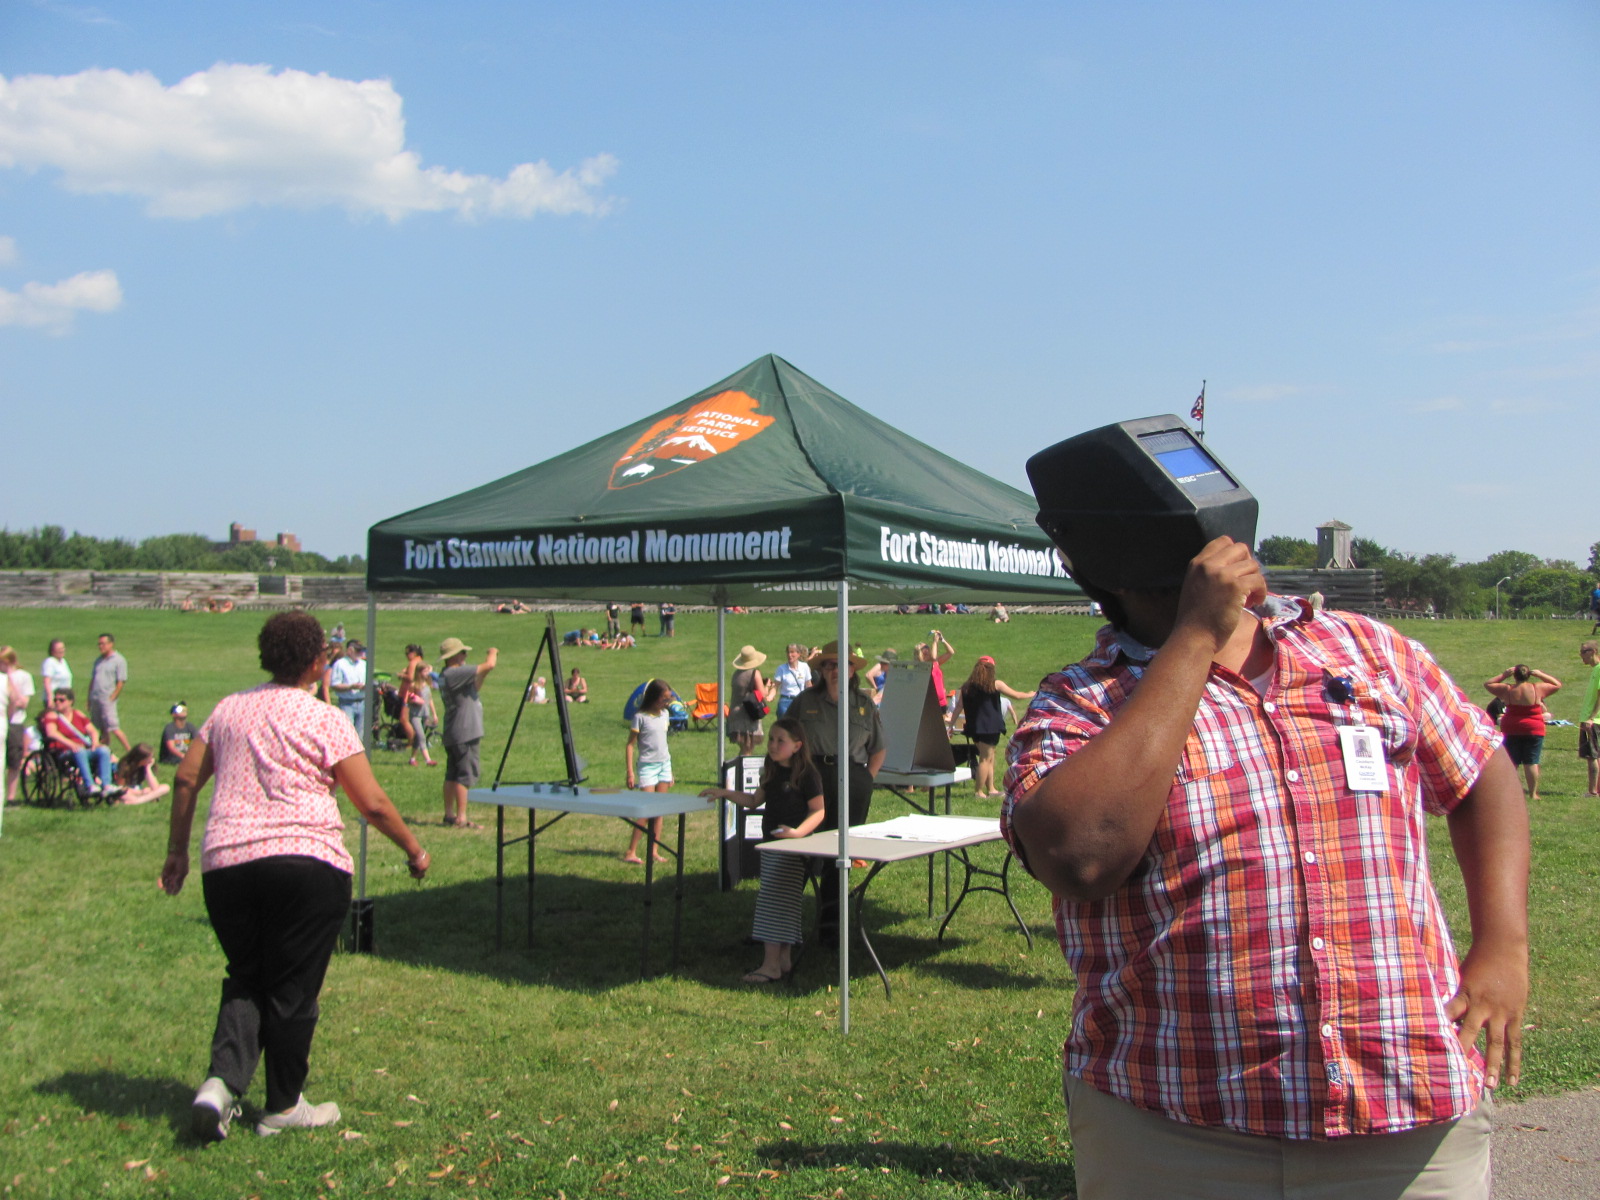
1198, 412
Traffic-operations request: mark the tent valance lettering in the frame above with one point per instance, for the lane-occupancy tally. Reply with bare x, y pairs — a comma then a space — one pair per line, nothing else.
454, 554
928, 549
766, 545
577, 549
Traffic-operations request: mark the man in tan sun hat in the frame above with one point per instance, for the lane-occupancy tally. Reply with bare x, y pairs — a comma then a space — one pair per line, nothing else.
463, 724
817, 710
744, 726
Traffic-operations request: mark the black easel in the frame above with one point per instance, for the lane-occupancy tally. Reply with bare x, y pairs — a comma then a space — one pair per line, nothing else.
569, 751
551, 643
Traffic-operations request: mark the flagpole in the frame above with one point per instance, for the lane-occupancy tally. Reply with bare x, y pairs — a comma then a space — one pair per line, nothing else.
1198, 412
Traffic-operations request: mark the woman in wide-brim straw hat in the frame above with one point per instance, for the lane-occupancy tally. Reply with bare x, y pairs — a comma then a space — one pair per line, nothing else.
747, 682
817, 710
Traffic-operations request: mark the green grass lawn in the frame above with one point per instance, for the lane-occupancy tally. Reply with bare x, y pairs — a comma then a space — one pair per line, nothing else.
464, 1070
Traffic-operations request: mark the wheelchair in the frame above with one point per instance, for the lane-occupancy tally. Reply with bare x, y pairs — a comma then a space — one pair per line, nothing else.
50, 780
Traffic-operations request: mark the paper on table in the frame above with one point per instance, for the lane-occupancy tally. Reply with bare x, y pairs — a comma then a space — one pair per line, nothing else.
915, 827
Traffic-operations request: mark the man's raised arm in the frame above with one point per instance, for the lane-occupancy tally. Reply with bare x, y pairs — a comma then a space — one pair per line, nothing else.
1086, 824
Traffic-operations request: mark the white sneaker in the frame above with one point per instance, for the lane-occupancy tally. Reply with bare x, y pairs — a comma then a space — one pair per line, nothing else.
304, 1115
214, 1110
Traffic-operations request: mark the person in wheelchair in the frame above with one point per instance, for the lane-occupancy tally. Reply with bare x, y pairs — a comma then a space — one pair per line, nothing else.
69, 734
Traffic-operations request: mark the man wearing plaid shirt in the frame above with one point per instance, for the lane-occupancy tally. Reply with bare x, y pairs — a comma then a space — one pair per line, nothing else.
1226, 799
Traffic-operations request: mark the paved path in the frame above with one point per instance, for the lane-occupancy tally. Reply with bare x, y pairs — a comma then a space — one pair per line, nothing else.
1548, 1148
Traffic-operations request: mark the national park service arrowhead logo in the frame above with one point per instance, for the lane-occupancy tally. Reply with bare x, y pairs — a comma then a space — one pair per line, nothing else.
707, 429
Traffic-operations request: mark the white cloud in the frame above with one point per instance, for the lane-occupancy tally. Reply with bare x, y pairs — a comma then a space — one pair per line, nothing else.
1581, 324
54, 306
238, 135
1517, 406
8, 250
1437, 404
83, 14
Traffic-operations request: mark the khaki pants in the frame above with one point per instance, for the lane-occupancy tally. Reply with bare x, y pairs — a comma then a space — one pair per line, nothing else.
1125, 1153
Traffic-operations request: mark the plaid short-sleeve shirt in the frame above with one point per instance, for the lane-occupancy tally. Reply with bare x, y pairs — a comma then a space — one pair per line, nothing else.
1278, 963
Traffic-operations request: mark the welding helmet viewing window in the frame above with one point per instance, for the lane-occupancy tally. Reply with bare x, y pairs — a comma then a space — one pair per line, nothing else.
1130, 504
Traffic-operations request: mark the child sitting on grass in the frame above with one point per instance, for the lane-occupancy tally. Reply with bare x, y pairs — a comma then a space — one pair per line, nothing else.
137, 773
791, 790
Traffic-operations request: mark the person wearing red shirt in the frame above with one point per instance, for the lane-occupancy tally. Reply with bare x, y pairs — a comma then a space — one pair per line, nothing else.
69, 731
937, 653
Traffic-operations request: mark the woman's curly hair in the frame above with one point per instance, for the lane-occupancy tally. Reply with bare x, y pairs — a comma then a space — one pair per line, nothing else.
290, 643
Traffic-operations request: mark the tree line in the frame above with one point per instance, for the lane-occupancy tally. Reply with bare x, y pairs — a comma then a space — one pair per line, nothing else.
1532, 586
51, 548
1529, 585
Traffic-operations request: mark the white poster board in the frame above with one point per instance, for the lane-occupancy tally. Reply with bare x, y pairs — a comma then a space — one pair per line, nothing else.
914, 734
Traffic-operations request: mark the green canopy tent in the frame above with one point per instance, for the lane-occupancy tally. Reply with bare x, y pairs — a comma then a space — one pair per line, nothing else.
760, 489
761, 486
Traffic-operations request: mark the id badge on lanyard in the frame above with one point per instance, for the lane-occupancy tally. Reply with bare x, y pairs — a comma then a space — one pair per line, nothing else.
1360, 747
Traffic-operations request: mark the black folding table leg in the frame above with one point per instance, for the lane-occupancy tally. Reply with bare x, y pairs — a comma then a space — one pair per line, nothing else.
499, 873
677, 901
649, 883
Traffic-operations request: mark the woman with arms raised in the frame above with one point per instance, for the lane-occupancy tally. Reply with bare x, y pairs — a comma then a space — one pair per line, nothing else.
1523, 692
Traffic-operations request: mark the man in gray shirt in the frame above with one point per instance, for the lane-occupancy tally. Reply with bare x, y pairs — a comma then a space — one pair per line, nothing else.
106, 677
463, 725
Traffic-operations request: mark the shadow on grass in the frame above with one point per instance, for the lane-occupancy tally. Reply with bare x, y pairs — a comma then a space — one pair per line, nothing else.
982, 977
588, 932
119, 1095
997, 1172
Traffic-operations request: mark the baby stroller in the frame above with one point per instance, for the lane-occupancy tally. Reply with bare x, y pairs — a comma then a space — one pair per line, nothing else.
388, 728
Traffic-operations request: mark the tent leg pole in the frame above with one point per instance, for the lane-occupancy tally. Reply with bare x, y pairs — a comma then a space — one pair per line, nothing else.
721, 677
362, 941
842, 765
369, 709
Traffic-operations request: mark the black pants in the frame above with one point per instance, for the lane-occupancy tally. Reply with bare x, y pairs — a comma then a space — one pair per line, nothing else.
277, 920
859, 802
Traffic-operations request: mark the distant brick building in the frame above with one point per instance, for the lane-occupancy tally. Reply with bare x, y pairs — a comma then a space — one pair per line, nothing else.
238, 535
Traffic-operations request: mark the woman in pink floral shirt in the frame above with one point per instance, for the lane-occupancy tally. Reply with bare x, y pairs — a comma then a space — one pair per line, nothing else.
274, 870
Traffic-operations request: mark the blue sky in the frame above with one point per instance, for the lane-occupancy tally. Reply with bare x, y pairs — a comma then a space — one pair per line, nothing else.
306, 266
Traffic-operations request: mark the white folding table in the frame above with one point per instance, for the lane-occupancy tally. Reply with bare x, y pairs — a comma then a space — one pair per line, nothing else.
636, 808
906, 784
914, 836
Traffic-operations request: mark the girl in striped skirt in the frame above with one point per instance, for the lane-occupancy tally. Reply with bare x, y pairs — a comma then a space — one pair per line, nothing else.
791, 791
